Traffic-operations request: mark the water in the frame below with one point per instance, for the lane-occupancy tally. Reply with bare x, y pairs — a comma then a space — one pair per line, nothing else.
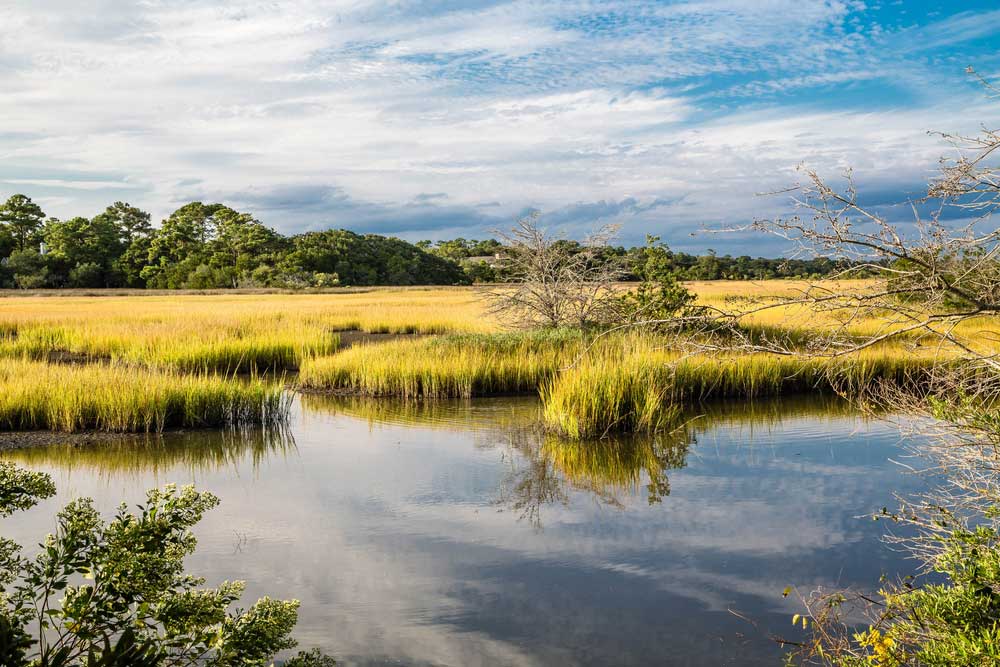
451, 533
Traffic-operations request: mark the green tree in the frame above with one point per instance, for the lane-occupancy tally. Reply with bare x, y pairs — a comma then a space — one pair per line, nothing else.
659, 298
708, 267
229, 244
22, 219
240, 245
7, 243
367, 260
134, 231
480, 272
133, 260
179, 245
28, 269
454, 250
77, 242
130, 221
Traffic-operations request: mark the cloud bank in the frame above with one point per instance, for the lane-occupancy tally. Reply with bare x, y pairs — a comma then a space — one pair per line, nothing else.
433, 119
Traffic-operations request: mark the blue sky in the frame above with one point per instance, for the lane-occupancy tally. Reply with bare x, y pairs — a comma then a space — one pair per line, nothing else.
441, 118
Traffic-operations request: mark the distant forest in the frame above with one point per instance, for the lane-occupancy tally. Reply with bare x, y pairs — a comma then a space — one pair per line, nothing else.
205, 246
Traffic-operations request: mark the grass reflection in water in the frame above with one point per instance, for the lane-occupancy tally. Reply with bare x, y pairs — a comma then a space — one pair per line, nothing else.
197, 450
543, 468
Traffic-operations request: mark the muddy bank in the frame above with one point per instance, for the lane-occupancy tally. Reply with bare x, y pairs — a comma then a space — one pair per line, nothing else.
351, 337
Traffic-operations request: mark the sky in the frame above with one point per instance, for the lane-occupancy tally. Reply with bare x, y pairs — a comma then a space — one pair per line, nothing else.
443, 118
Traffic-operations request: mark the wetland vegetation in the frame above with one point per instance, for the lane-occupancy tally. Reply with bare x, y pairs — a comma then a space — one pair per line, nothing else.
136, 364
611, 413
232, 363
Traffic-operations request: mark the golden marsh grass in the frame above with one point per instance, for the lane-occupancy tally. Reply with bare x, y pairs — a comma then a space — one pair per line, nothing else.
445, 367
36, 395
228, 333
635, 385
179, 347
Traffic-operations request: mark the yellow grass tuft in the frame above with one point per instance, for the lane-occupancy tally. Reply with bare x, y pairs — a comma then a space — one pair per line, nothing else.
636, 385
447, 367
36, 395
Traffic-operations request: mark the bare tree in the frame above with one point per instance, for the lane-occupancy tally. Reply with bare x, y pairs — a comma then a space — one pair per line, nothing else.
932, 275
554, 282
937, 284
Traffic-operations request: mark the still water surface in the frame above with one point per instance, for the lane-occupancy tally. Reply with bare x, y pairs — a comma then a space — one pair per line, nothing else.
453, 533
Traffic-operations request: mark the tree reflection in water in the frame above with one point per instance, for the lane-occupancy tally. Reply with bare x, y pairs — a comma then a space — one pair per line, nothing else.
547, 467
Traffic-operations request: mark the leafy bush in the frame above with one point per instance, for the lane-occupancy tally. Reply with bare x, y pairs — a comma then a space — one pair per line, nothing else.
87, 274
659, 297
953, 622
123, 597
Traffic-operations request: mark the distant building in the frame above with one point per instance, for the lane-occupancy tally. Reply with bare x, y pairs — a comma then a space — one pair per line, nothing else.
493, 261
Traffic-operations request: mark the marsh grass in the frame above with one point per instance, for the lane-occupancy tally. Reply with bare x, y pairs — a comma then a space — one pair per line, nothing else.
642, 388
622, 383
447, 367
629, 382
144, 364
154, 362
40, 396
235, 333
229, 334
259, 344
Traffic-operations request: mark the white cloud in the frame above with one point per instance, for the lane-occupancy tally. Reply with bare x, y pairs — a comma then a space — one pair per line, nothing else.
547, 105
70, 184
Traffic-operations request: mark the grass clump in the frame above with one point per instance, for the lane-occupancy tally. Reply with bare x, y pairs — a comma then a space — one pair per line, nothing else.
250, 345
39, 396
457, 366
633, 385
592, 400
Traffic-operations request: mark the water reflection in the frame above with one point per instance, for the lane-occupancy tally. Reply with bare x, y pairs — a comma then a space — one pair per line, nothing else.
382, 517
541, 468
152, 453
465, 415
544, 466
500, 414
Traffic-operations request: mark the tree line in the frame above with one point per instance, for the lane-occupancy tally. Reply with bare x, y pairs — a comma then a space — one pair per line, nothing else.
483, 261
208, 246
